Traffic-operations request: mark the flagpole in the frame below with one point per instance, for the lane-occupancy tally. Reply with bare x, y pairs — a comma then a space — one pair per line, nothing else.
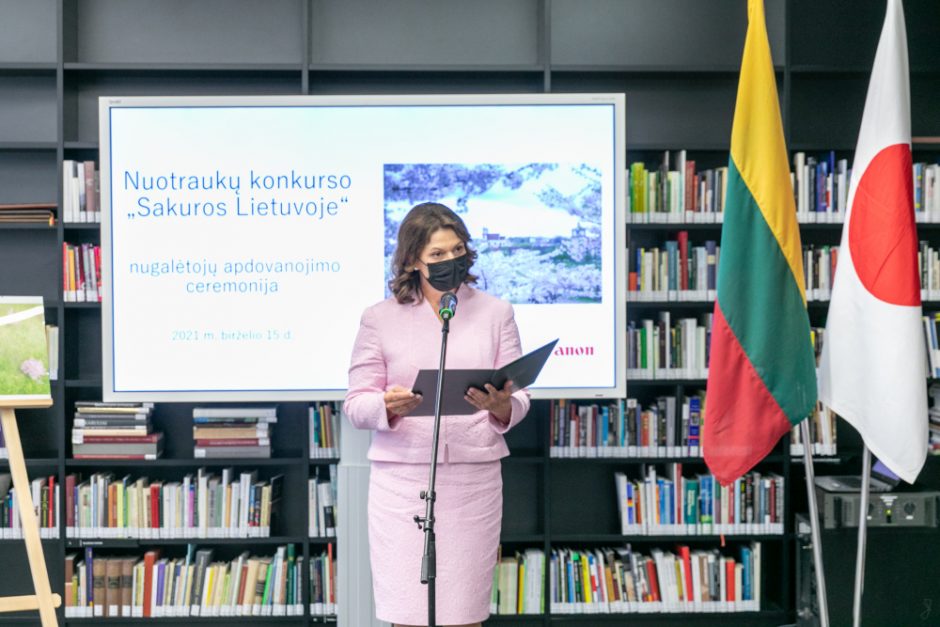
821, 599
862, 538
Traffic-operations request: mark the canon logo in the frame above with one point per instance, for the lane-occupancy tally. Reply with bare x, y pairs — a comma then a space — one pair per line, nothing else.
566, 351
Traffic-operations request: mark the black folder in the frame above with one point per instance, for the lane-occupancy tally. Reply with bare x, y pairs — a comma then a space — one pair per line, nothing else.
522, 372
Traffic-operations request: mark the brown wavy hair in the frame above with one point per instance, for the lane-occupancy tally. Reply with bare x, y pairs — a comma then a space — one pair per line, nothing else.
414, 233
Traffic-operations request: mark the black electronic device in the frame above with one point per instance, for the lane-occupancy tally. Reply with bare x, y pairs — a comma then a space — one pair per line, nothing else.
902, 569
839, 506
881, 480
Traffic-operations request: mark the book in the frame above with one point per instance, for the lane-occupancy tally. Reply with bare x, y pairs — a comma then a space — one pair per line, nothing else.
621, 428
80, 192
94, 418
148, 438
138, 431
118, 430
228, 433
52, 341
203, 506
326, 522
675, 191
266, 414
113, 596
232, 451
257, 442
112, 406
81, 272
324, 430
28, 213
127, 586
221, 432
44, 492
99, 586
665, 501
822, 426
316, 524
518, 583
625, 581
145, 448
116, 456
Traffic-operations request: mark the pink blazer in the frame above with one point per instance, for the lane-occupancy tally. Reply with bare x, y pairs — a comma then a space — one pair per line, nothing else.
395, 341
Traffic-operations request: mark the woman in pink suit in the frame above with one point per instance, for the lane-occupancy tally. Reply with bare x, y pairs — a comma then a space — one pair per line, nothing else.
398, 337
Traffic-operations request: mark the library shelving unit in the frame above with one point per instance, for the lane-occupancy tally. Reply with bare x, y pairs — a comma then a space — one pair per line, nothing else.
676, 61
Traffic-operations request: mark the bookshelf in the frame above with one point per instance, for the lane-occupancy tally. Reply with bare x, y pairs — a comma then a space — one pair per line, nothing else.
677, 62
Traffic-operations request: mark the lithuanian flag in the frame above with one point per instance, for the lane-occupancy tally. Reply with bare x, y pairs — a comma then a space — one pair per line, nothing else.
761, 377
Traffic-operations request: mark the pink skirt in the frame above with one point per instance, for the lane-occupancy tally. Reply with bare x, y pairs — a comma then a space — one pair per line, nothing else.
468, 512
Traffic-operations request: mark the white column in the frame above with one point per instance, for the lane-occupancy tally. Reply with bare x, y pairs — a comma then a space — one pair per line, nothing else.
354, 573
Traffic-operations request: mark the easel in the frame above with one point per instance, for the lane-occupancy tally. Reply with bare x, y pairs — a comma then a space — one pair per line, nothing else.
44, 600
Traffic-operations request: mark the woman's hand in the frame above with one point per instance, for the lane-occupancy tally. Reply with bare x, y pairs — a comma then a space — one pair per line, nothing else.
492, 400
400, 402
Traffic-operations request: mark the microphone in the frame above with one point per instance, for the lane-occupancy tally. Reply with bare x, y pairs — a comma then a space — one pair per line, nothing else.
448, 307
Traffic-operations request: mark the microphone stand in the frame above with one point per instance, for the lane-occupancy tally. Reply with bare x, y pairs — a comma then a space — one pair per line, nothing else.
429, 560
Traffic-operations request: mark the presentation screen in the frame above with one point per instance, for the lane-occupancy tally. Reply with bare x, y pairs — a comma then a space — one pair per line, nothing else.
243, 237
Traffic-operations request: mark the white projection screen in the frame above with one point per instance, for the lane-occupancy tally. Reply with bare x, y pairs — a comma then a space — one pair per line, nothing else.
243, 237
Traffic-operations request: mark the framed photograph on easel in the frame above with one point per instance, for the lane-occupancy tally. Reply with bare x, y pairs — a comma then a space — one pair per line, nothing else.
24, 382
24, 354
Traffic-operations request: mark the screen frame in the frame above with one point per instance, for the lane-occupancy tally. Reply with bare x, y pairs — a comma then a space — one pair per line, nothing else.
107, 103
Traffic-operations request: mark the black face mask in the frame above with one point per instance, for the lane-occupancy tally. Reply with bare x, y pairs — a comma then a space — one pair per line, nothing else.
448, 275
